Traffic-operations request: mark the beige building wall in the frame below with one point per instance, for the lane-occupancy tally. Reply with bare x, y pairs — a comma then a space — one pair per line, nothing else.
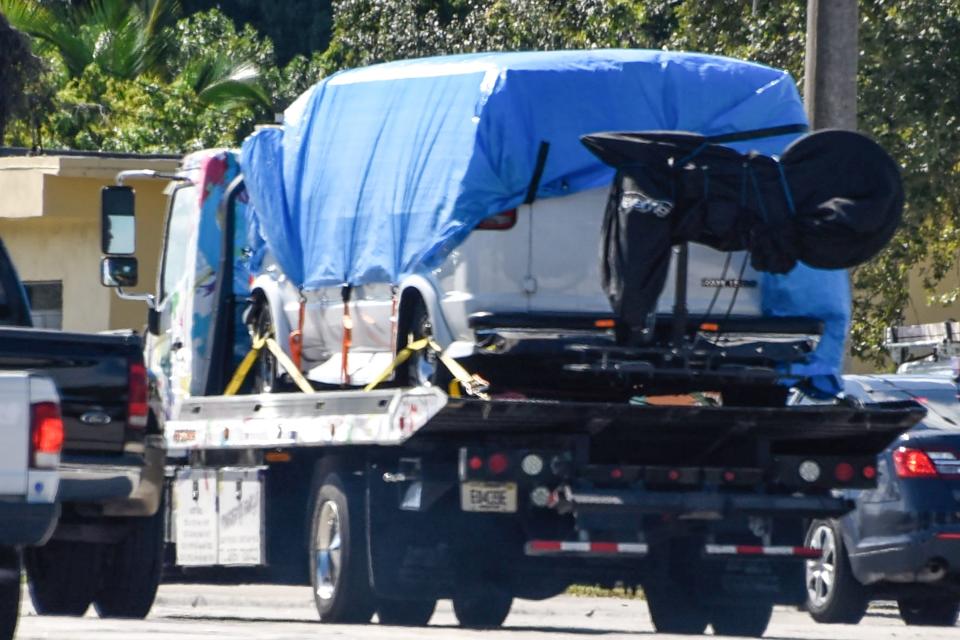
50, 223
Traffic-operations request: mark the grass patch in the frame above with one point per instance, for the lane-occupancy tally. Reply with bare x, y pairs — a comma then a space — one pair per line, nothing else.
596, 591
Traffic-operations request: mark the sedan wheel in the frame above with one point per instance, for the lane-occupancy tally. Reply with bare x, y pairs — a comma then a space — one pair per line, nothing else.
833, 593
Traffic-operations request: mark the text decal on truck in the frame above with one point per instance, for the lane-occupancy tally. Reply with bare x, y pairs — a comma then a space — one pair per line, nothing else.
728, 283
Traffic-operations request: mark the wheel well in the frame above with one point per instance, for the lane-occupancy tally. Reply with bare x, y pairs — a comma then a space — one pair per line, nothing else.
408, 302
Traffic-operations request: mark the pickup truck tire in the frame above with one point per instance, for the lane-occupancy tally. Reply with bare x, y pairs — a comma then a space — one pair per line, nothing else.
928, 612
833, 594
131, 571
486, 611
405, 613
673, 609
9, 592
63, 576
339, 573
748, 621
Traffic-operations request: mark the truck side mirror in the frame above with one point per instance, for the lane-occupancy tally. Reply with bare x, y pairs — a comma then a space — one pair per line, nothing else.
117, 224
118, 271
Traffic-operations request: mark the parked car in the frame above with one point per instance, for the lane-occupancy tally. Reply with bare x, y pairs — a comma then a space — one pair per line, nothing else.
106, 548
31, 438
902, 541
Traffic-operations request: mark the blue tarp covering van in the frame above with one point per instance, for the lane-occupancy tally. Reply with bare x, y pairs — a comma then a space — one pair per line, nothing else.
381, 171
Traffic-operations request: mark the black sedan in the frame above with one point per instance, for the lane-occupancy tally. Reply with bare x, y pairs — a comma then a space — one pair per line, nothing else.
902, 541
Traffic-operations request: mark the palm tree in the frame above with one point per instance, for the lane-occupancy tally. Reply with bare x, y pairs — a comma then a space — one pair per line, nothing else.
127, 39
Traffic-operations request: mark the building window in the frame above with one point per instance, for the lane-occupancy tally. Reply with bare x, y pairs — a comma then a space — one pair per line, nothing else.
46, 304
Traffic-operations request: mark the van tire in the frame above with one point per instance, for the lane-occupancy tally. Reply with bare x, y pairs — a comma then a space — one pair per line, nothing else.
424, 367
131, 571
339, 572
9, 592
63, 576
484, 611
405, 613
266, 369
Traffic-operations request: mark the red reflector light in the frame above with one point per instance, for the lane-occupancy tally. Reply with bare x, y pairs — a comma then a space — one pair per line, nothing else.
546, 545
616, 474
948, 536
673, 475
137, 408
46, 434
843, 472
475, 463
729, 476
500, 222
913, 463
607, 323
497, 463
869, 472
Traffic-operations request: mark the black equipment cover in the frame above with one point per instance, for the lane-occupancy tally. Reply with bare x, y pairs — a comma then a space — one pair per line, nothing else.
832, 201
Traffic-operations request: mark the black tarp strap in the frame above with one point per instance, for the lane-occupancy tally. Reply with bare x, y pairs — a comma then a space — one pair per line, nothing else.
537, 172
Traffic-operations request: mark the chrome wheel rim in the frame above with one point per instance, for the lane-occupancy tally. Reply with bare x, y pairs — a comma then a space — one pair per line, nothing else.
327, 550
822, 572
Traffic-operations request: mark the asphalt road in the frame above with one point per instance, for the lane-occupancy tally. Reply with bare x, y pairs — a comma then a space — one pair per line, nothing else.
255, 612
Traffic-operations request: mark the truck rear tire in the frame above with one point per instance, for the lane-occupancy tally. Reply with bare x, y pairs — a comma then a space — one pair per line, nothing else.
929, 612
749, 621
63, 576
131, 571
486, 611
833, 594
339, 573
405, 613
674, 609
9, 592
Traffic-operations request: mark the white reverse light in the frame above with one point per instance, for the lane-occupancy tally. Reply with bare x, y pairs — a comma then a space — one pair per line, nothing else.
532, 464
540, 496
809, 471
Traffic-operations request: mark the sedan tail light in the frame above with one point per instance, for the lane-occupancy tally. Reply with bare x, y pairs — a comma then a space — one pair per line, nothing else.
913, 463
500, 222
46, 430
137, 408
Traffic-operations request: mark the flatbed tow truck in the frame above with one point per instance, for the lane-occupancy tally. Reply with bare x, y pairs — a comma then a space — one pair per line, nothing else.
671, 464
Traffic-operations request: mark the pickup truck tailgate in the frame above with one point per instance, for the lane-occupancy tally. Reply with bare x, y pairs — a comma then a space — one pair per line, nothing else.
14, 433
92, 374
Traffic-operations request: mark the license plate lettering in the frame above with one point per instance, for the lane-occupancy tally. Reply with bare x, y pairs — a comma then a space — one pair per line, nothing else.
490, 497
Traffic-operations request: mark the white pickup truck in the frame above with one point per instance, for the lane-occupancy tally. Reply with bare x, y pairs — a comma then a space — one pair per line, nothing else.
31, 438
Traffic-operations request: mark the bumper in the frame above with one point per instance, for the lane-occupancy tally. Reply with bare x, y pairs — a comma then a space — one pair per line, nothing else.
129, 485
925, 557
27, 523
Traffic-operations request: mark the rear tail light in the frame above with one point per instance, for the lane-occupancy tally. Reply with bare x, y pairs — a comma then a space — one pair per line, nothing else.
843, 472
137, 408
46, 430
913, 463
500, 222
498, 463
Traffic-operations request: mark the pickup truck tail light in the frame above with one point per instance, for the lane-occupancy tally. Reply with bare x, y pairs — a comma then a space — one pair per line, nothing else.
500, 222
913, 463
137, 408
46, 430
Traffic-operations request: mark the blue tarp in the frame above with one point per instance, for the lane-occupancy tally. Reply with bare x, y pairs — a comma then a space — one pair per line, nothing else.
381, 171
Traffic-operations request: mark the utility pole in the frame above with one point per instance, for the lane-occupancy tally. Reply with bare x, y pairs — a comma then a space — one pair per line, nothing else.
830, 85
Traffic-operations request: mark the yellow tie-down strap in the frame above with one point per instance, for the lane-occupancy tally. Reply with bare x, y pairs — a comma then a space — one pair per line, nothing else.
259, 342
473, 384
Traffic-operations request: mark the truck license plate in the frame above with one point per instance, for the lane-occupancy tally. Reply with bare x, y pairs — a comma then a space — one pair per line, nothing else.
489, 497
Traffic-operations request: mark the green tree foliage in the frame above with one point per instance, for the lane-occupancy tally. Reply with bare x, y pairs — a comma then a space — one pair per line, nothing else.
17, 66
208, 90
296, 27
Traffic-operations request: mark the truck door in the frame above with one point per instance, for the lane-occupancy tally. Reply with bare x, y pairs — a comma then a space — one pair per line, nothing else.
169, 354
